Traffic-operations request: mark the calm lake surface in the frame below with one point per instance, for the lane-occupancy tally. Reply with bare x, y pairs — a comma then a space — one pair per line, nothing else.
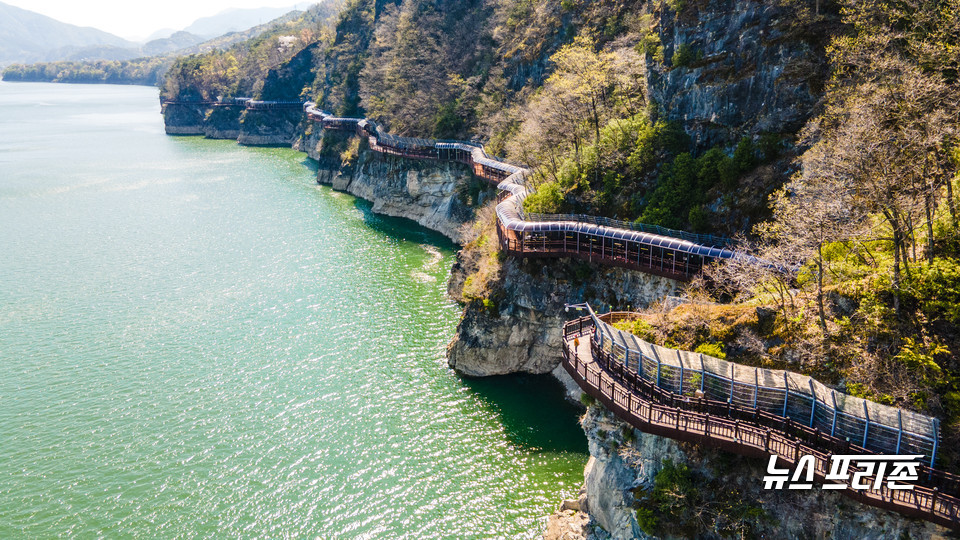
197, 340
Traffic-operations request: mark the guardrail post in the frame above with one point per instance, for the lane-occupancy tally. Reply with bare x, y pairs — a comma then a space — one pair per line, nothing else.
833, 427
866, 424
703, 372
681, 376
756, 387
766, 441
900, 431
936, 437
786, 393
733, 377
657, 356
813, 401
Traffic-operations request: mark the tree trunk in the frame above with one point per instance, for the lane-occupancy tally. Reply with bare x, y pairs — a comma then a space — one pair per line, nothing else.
823, 315
928, 203
953, 209
895, 285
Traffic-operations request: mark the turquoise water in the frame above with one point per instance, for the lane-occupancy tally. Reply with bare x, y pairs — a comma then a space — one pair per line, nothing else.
197, 340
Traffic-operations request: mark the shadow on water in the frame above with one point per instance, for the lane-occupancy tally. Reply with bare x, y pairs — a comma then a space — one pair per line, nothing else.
533, 411
311, 165
402, 228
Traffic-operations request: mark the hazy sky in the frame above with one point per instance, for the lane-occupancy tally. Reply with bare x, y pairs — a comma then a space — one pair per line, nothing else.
138, 19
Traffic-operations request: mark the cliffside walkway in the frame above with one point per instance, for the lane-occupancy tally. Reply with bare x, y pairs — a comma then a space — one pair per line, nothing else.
675, 254
750, 431
657, 250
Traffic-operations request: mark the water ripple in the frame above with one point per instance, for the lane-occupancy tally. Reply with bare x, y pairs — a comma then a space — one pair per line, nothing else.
204, 343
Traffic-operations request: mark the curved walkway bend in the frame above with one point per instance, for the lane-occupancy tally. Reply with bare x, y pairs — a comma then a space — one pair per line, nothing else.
645, 406
675, 254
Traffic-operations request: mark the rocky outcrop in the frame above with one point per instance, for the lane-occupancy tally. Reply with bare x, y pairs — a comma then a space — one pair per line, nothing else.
440, 196
743, 67
183, 119
270, 127
624, 463
211, 122
223, 123
520, 329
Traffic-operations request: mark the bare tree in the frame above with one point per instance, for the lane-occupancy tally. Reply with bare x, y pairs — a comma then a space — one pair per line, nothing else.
814, 209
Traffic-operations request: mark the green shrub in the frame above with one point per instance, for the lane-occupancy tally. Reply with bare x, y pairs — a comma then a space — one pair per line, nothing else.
699, 219
650, 44
587, 400
548, 199
638, 327
490, 307
711, 349
770, 145
937, 288
681, 503
685, 56
744, 157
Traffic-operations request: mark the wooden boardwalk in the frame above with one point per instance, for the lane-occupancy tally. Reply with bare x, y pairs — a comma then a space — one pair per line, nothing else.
678, 417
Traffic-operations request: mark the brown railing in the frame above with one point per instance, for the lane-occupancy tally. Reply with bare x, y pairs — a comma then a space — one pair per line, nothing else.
750, 433
649, 259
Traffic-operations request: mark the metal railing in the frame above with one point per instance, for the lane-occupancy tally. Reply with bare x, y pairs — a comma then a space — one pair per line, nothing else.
705, 239
804, 400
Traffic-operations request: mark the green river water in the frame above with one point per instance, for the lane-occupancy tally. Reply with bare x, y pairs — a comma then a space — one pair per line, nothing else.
197, 340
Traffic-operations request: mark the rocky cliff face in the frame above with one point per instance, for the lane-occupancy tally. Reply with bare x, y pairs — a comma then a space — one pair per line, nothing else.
520, 330
183, 119
247, 127
270, 127
624, 463
736, 68
435, 195
223, 123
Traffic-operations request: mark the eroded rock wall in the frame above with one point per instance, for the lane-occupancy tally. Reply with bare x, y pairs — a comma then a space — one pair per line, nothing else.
520, 331
746, 67
433, 194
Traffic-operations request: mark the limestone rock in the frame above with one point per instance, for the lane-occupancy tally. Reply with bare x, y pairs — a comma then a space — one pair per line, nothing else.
425, 192
524, 334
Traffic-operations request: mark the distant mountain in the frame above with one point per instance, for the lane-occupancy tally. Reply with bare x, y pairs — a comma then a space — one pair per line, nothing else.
26, 36
160, 34
234, 20
177, 41
90, 66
